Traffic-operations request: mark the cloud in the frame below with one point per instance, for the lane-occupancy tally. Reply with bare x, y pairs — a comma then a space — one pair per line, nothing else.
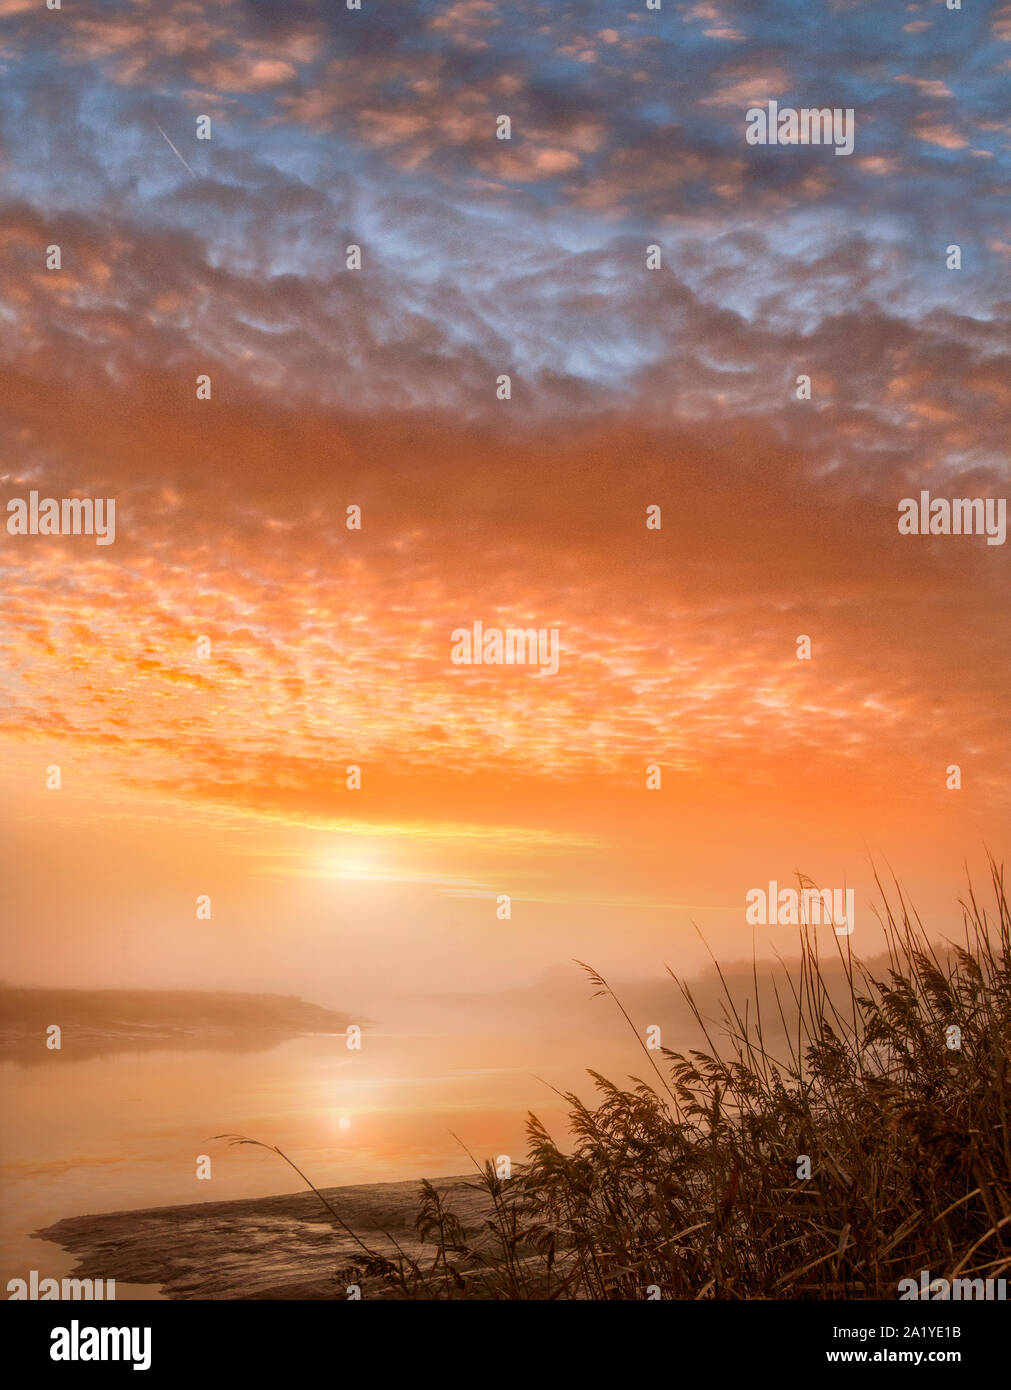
743, 85
377, 387
943, 135
930, 87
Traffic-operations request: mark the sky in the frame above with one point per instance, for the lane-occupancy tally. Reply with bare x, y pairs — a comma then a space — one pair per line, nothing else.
376, 388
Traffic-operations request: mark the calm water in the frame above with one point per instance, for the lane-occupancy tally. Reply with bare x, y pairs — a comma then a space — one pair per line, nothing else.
125, 1131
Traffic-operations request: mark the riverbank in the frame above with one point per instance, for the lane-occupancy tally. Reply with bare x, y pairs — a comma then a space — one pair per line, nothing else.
284, 1247
46, 1026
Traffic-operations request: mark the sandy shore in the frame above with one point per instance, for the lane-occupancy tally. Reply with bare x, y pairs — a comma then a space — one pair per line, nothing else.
286, 1247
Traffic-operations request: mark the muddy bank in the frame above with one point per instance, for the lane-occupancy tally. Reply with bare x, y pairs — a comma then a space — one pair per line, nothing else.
286, 1247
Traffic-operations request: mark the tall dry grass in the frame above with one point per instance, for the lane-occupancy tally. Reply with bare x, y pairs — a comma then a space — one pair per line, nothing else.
687, 1181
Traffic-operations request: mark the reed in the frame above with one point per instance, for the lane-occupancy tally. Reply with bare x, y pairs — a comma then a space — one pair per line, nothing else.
689, 1182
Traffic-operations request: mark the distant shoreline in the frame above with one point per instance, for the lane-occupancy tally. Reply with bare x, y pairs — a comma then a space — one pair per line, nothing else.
282, 1247
100, 1022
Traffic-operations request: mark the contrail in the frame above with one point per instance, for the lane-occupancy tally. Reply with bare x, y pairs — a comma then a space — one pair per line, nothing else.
176, 153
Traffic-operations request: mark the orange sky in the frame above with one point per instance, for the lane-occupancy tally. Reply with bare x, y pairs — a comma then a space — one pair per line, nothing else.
376, 388
227, 775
